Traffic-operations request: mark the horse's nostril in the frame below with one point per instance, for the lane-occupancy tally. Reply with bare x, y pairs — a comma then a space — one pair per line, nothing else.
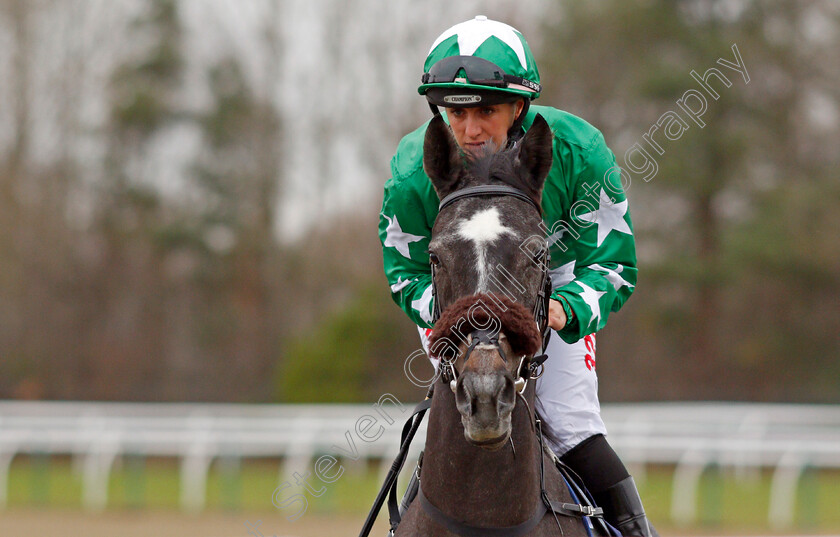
507, 396
463, 399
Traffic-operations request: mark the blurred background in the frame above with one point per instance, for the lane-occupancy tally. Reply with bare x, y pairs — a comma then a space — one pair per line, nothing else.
189, 194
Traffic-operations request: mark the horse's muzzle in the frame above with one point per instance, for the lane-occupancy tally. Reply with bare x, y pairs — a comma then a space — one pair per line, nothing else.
486, 402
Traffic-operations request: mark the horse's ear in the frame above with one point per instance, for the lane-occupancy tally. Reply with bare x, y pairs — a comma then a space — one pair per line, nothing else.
441, 156
536, 154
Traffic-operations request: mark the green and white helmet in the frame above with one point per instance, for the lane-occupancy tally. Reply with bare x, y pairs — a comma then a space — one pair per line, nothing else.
479, 62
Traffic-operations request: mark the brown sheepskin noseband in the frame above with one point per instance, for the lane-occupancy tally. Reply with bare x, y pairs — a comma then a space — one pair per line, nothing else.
482, 311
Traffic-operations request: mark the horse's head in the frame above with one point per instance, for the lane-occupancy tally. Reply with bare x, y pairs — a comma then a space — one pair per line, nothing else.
488, 256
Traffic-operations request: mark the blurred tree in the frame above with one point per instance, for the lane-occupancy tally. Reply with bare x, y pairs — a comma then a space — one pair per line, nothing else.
237, 178
124, 330
692, 321
40, 174
199, 253
140, 180
331, 361
14, 254
343, 327
357, 352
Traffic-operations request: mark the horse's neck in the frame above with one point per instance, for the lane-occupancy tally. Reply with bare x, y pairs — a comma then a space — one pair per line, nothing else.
495, 487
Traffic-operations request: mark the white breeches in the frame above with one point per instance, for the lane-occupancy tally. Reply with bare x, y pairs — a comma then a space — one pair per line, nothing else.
567, 392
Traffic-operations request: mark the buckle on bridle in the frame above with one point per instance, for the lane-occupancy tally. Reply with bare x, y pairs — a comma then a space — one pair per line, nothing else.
453, 377
476, 336
587, 510
521, 381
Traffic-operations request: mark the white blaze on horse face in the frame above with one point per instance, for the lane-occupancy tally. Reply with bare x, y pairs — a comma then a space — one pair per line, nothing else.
483, 228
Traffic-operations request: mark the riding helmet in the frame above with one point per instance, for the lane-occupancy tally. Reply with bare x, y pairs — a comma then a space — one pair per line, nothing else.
479, 62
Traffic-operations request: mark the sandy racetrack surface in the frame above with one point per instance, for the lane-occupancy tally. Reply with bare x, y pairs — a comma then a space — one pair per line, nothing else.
28, 523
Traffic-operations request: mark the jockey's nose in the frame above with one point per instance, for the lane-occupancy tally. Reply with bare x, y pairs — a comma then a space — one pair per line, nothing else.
472, 127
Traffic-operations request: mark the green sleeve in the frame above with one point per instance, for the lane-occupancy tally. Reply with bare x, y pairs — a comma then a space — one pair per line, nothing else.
601, 237
404, 232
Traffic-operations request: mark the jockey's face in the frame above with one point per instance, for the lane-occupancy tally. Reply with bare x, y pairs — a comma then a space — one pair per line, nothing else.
474, 127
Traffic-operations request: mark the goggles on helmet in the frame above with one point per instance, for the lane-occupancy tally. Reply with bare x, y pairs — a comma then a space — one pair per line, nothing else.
477, 71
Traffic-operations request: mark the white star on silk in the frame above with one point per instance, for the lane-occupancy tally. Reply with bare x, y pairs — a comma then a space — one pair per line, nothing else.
591, 296
397, 287
557, 235
423, 305
472, 33
397, 238
613, 276
563, 274
608, 217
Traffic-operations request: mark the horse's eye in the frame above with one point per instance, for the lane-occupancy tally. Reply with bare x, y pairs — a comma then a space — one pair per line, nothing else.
434, 259
539, 255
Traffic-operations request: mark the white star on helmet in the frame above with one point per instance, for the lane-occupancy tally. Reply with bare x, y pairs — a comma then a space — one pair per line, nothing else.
472, 33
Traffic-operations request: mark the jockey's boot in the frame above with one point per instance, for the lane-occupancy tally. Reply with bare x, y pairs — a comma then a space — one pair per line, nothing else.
623, 509
612, 487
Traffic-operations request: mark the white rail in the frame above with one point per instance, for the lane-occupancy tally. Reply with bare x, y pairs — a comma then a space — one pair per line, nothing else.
692, 436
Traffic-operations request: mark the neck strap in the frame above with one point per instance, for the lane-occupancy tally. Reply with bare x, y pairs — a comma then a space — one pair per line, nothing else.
465, 530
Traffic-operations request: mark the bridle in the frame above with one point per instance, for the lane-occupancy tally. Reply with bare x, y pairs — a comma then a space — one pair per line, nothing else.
529, 366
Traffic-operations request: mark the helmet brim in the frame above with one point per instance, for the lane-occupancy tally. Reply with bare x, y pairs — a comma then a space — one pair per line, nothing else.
460, 95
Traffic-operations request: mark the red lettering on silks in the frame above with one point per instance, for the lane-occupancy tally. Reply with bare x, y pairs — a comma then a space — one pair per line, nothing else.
589, 341
589, 358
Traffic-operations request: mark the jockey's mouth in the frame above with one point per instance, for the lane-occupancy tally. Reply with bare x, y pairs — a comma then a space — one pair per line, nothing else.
474, 146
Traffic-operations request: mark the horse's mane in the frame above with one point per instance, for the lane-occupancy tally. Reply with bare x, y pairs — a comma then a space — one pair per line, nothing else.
479, 311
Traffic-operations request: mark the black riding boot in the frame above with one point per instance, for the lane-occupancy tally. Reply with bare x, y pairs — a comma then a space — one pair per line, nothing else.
623, 509
611, 485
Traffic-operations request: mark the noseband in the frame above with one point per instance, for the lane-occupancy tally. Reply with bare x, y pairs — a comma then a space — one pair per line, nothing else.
529, 367
540, 312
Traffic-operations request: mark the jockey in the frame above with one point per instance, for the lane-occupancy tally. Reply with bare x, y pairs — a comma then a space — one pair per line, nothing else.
483, 74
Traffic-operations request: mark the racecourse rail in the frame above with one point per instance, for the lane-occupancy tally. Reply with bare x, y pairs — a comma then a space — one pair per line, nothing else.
691, 436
